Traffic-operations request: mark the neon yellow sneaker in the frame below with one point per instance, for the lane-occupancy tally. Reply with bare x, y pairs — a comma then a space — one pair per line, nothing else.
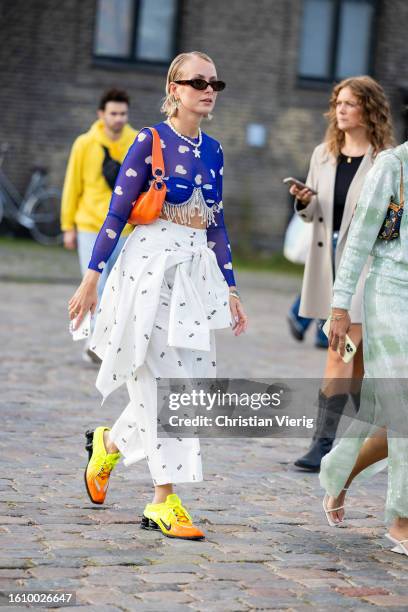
172, 519
100, 465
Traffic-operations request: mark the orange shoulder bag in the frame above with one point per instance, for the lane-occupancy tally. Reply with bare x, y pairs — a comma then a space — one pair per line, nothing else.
149, 204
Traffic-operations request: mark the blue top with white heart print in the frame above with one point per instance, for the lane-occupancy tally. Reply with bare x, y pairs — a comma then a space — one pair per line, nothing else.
194, 183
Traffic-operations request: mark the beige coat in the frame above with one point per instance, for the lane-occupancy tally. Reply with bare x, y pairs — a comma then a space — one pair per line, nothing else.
318, 275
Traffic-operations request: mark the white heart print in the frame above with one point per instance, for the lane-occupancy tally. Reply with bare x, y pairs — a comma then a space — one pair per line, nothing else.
198, 179
183, 149
228, 266
212, 173
118, 190
131, 172
141, 137
148, 160
163, 144
180, 169
101, 265
211, 244
111, 233
222, 170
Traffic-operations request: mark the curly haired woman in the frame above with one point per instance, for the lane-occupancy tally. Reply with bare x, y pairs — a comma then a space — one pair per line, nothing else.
359, 127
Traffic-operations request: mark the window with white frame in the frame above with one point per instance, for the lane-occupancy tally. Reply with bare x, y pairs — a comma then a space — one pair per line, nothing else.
336, 39
136, 30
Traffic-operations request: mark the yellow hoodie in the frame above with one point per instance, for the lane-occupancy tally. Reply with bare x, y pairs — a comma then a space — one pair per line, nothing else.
86, 194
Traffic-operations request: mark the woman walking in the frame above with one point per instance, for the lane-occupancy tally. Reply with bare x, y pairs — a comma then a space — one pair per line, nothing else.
171, 287
380, 430
359, 128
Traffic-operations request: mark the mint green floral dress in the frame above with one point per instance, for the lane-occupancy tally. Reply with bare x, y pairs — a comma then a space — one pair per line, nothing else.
384, 396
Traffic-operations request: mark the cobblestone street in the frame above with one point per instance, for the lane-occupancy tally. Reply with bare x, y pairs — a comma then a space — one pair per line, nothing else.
268, 544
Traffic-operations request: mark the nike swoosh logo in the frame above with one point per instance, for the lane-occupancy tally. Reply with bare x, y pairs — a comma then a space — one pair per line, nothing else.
168, 527
97, 485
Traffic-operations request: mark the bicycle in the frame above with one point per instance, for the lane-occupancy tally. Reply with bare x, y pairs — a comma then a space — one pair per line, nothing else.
38, 210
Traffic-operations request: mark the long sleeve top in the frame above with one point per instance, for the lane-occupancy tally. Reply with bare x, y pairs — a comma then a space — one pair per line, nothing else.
345, 172
193, 179
381, 184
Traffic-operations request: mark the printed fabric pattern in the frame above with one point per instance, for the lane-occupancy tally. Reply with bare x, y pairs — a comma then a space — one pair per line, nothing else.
194, 178
380, 186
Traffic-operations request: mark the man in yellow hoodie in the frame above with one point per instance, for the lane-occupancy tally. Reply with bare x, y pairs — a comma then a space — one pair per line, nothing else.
92, 169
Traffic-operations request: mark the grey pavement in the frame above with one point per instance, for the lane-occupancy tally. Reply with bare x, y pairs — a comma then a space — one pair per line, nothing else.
268, 545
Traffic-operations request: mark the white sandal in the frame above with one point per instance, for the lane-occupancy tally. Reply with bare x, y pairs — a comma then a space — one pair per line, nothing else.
328, 511
400, 547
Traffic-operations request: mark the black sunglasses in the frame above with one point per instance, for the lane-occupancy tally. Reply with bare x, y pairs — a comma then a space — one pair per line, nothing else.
202, 84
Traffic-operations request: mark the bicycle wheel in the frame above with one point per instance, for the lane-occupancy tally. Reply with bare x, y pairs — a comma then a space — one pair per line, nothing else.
44, 210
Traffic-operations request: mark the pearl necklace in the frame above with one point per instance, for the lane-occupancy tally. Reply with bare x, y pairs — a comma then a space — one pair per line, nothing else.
195, 145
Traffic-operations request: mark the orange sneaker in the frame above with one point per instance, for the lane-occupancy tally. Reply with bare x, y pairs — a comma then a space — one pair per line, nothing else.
172, 519
100, 465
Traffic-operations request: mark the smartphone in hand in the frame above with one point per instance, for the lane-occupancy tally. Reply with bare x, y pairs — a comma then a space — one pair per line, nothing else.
349, 349
290, 180
84, 330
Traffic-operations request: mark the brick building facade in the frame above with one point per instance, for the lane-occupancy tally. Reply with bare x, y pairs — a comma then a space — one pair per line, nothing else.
52, 81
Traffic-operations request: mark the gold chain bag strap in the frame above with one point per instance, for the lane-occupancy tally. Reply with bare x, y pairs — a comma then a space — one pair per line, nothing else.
390, 228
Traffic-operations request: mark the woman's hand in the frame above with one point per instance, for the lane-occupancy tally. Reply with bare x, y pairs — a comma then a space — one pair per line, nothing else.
339, 326
238, 315
303, 195
84, 299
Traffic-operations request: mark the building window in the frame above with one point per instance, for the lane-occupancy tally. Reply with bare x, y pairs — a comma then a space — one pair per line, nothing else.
136, 30
335, 39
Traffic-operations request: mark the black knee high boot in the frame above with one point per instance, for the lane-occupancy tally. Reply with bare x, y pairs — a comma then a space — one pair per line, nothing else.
356, 400
328, 417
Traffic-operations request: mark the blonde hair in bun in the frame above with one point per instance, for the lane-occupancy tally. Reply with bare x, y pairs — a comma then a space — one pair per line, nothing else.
170, 104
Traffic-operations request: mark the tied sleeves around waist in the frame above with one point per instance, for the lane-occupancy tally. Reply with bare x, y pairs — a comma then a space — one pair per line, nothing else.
199, 299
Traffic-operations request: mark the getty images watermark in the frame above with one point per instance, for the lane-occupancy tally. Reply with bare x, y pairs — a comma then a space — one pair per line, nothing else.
230, 407
213, 401
281, 408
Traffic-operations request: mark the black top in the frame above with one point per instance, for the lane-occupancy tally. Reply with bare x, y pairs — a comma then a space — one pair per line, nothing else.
346, 169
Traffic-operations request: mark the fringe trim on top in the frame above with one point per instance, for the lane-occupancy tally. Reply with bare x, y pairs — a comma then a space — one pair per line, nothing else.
185, 210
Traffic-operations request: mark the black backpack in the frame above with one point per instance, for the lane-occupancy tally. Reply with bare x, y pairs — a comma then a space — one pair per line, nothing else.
110, 168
